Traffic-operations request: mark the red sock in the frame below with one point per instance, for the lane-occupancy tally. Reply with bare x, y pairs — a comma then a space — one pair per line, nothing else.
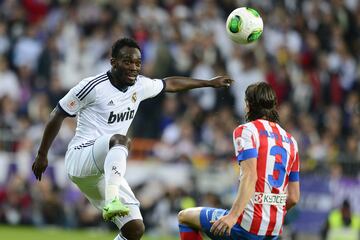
187, 233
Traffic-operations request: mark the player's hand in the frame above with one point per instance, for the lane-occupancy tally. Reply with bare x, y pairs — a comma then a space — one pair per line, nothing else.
223, 225
39, 166
221, 81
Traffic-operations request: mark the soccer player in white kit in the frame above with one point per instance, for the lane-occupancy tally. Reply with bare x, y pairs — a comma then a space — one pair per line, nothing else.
269, 178
105, 106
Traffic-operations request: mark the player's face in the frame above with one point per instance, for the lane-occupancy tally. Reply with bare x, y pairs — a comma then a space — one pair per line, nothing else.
126, 67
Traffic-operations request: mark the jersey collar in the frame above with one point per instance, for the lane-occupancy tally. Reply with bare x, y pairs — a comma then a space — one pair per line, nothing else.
123, 88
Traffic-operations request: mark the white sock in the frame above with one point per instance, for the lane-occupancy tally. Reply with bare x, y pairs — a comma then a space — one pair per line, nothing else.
119, 237
114, 169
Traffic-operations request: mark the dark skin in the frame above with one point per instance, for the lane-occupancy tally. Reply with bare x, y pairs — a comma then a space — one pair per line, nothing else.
124, 70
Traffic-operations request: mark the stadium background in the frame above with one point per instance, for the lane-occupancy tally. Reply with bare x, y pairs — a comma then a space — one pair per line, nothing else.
182, 151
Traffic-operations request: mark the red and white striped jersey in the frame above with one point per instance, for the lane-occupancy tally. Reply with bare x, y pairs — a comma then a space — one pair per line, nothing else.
277, 164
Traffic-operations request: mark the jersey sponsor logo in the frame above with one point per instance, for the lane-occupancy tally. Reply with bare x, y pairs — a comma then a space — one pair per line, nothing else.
134, 97
270, 199
120, 117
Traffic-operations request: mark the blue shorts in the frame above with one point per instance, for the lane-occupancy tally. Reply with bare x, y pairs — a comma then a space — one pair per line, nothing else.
237, 232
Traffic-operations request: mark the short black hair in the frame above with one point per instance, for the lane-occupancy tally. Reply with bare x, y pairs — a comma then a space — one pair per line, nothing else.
262, 102
123, 42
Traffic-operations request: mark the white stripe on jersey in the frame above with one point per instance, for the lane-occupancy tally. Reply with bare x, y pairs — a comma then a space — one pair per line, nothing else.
248, 216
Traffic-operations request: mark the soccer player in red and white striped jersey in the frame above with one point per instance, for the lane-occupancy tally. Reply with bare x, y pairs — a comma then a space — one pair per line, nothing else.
269, 178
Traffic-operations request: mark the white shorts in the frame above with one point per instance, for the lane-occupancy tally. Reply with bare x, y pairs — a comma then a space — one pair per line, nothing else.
85, 167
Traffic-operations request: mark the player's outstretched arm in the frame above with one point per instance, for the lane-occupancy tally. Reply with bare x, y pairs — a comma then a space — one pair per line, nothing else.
175, 84
52, 128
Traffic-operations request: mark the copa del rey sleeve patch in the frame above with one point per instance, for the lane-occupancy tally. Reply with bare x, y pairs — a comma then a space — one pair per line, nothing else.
72, 104
239, 144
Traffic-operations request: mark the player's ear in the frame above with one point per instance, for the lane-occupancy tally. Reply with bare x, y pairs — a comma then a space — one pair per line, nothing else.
112, 62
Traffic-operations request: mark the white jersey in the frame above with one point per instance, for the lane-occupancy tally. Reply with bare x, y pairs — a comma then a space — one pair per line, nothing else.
101, 108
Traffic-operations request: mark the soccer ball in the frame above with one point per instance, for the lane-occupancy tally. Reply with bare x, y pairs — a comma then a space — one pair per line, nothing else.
244, 25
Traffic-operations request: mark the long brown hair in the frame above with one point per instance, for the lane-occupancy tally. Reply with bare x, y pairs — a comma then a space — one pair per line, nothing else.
261, 101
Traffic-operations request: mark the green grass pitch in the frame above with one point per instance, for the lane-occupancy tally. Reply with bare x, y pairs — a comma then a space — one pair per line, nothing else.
31, 233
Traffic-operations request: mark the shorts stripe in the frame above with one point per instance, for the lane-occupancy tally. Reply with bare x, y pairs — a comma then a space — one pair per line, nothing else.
93, 157
87, 144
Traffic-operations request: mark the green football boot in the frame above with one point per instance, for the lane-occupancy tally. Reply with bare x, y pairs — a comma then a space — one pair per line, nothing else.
114, 208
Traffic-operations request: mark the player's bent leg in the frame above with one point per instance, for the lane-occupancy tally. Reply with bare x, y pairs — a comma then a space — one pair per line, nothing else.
207, 217
189, 224
133, 230
190, 217
114, 171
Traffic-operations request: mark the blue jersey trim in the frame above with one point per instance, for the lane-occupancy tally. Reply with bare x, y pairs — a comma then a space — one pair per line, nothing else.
185, 228
246, 154
294, 177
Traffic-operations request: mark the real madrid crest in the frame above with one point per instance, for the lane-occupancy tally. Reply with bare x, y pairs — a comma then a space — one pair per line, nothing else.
133, 97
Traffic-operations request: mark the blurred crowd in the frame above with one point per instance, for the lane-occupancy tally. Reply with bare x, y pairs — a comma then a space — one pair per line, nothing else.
309, 53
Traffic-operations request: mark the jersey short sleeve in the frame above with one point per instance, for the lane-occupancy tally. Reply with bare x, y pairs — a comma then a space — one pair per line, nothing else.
150, 87
294, 175
244, 144
77, 98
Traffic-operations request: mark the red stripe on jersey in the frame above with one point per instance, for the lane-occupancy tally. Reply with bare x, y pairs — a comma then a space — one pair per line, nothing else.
240, 218
273, 209
261, 172
295, 166
238, 131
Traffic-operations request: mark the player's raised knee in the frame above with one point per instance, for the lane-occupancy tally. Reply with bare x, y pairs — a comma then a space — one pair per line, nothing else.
133, 230
190, 216
118, 139
183, 216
